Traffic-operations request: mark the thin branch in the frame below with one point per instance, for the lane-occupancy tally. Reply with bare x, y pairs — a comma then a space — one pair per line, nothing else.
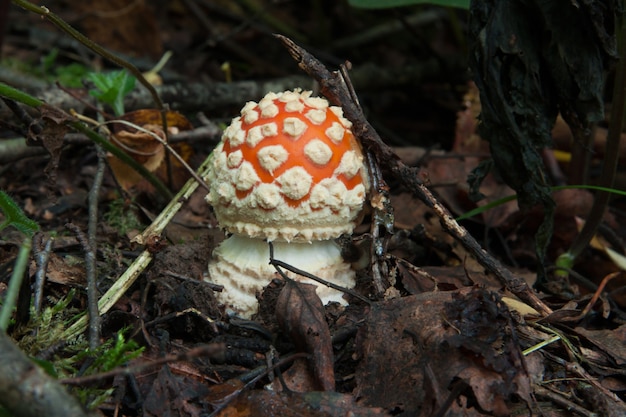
281, 264
333, 88
91, 276
43, 247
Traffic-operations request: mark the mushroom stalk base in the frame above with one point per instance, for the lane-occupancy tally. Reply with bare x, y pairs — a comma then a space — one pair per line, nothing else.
242, 266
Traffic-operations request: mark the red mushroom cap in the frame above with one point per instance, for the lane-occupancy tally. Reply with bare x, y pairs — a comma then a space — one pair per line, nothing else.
288, 168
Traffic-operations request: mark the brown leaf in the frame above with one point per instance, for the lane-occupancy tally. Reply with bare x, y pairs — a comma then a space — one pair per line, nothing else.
301, 315
613, 342
60, 271
312, 404
173, 395
153, 117
143, 148
49, 131
149, 151
430, 340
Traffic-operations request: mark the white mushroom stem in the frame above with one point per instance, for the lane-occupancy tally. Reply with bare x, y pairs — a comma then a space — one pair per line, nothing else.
241, 265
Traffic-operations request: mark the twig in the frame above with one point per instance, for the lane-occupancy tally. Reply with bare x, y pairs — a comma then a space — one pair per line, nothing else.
42, 256
598, 293
382, 212
382, 216
91, 276
194, 97
334, 89
559, 399
21, 114
127, 279
13, 150
209, 349
92, 288
281, 264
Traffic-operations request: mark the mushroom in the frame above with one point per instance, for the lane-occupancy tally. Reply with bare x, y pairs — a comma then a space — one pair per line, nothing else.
289, 171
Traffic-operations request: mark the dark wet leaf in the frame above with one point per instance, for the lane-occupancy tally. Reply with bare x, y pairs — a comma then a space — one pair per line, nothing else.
613, 342
172, 396
484, 328
301, 315
431, 340
532, 59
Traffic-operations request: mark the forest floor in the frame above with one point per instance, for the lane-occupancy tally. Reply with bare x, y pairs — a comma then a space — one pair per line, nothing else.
442, 333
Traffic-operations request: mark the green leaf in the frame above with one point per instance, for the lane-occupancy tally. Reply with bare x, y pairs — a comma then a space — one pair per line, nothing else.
14, 216
504, 200
111, 88
385, 4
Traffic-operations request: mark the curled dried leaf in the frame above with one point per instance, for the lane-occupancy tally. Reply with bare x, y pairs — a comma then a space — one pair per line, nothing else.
301, 315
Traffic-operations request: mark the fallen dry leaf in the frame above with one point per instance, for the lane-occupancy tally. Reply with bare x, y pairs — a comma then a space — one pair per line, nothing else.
171, 395
612, 342
61, 271
430, 340
146, 149
300, 313
49, 131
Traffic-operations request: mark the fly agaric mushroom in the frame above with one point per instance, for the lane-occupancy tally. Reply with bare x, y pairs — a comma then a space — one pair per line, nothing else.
289, 171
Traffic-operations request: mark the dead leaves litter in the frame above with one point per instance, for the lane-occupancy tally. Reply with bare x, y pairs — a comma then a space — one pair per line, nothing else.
301, 315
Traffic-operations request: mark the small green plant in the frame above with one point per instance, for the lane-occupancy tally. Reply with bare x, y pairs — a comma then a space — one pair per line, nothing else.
384, 4
111, 88
66, 363
14, 216
122, 217
46, 329
70, 75
49, 70
110, 356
